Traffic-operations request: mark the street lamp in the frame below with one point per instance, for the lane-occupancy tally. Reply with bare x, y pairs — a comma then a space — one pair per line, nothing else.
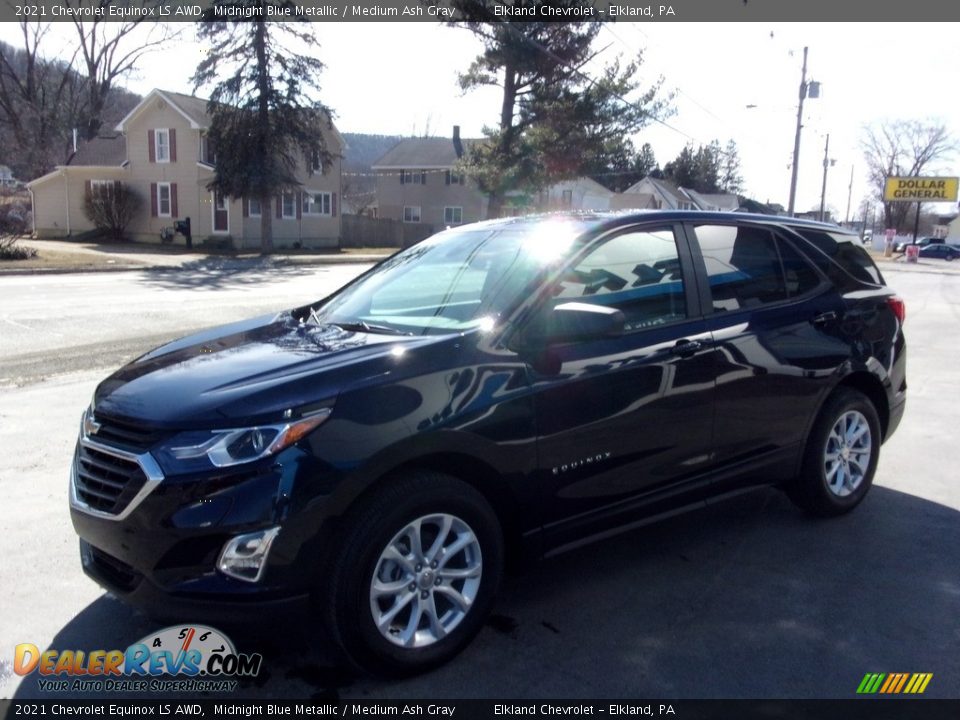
813, 89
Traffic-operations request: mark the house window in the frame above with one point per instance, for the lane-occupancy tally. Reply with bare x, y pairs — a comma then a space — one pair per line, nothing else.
207, 152
687, 206
253, 207
316, 164
415, 177
454, 178
452, 215
102, 187
163, 145
289, 205
411, 213
163, 199
316, 203
567, 199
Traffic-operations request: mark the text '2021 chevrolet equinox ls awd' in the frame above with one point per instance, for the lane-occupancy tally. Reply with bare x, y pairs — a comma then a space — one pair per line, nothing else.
512, 386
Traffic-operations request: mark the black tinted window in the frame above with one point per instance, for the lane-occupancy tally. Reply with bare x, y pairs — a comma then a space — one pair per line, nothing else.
800, 275
636, 272
844, 252
743, 266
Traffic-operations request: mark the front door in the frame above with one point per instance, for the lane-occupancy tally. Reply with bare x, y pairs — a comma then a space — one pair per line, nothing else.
620, 419
221, 214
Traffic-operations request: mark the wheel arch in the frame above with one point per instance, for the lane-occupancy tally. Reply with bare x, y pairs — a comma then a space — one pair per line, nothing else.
482, 477
871, 386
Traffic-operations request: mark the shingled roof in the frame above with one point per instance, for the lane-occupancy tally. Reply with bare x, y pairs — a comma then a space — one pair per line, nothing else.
102, 151
423, 153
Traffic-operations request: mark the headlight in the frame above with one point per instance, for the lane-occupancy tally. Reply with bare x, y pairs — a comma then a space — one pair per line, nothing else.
195, 451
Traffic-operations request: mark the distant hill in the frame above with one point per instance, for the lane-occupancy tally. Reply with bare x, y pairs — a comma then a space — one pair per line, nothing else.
47, 130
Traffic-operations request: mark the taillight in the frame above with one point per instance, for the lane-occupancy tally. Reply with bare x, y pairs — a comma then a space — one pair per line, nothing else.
899, 308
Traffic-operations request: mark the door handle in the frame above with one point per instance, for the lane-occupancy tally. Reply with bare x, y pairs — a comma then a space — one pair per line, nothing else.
686, 348
824, 318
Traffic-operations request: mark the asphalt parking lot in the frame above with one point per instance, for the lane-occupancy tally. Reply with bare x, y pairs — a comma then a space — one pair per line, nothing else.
746, 599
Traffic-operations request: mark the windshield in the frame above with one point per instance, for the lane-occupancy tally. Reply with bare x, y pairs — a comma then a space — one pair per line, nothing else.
453, 281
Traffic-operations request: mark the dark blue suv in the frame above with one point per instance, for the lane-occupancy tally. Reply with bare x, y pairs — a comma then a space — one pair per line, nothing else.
511, 387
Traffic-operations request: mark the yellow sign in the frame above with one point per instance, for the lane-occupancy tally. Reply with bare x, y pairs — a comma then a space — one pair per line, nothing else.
920, 189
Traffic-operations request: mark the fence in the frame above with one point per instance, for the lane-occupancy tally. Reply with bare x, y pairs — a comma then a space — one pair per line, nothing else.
362, 231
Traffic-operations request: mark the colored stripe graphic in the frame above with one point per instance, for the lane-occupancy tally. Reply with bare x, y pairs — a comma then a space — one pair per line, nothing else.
894, 683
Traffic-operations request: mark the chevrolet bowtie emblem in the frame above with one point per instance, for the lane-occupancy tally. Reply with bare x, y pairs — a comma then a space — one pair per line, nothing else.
90, 426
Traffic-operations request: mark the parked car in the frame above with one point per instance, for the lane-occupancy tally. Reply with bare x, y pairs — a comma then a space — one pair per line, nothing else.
920, 242
941, 251
499, 390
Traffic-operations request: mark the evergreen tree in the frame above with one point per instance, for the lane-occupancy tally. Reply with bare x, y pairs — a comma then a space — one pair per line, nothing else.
264, 124
731, 180
555, 122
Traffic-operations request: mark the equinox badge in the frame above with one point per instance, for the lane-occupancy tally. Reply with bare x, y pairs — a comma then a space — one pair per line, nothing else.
599, 457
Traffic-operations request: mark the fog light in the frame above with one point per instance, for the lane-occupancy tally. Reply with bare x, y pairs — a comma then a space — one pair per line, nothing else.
245, 556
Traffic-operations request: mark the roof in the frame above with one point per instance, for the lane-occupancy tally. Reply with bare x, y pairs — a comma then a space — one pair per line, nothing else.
423, 153
193, 107
194, 110
723, 201
582, 183
673, 194
102, 151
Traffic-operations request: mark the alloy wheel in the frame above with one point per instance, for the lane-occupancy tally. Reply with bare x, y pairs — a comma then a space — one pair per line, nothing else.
426, 580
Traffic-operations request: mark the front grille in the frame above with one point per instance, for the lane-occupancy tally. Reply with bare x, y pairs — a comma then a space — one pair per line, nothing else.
106, 482
132, 436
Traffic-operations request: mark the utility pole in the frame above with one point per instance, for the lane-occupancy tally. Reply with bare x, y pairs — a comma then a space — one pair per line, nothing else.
846, 218
796, 139
826, 164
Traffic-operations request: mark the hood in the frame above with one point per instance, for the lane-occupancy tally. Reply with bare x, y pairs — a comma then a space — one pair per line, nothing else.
250, 371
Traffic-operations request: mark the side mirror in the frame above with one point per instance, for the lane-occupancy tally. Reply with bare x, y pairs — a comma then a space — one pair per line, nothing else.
575, 321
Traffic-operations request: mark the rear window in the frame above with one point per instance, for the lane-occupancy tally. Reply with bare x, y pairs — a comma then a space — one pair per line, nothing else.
844, 252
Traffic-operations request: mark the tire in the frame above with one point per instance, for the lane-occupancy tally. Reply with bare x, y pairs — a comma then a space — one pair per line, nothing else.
378, 581
840, 457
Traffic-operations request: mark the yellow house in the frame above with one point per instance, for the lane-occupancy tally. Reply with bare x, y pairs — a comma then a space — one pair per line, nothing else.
160, 150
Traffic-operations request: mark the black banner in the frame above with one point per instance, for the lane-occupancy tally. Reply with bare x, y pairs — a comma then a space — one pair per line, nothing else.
859, 709
441, 10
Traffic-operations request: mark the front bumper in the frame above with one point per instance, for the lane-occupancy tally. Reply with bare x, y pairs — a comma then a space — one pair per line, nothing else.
161, 554
136, 589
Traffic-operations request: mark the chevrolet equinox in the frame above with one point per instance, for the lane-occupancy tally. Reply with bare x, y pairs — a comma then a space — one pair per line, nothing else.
507, 388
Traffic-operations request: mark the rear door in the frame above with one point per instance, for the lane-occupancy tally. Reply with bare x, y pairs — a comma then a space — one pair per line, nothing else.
622, 418
774, 321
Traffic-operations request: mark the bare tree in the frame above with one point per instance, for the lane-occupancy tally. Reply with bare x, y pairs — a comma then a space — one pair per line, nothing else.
903, 148
38, 99
108, 51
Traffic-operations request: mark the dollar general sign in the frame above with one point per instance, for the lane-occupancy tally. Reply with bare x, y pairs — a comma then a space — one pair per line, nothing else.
920, 189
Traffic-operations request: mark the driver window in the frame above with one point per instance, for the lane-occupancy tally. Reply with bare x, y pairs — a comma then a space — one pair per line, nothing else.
637, 272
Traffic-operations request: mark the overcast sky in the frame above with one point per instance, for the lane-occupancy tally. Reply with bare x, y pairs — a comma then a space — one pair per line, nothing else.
400, 78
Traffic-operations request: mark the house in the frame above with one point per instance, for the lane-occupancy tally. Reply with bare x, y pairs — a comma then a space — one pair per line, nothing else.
655, 194
160, 150
713, 202
418, 182
581, 193
652, 194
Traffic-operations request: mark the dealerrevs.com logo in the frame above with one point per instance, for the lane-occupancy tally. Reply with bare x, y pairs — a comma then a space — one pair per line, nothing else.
191, 658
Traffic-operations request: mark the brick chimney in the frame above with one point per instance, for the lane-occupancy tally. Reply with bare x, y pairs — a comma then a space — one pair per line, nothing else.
457, 145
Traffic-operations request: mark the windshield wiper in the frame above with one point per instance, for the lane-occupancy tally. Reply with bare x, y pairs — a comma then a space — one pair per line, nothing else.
363, 326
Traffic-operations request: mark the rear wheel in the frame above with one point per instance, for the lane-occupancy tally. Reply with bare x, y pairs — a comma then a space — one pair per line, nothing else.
416, 574
841, 456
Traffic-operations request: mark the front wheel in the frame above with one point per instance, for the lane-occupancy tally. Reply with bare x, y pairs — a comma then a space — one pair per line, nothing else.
416, 574
841, 456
